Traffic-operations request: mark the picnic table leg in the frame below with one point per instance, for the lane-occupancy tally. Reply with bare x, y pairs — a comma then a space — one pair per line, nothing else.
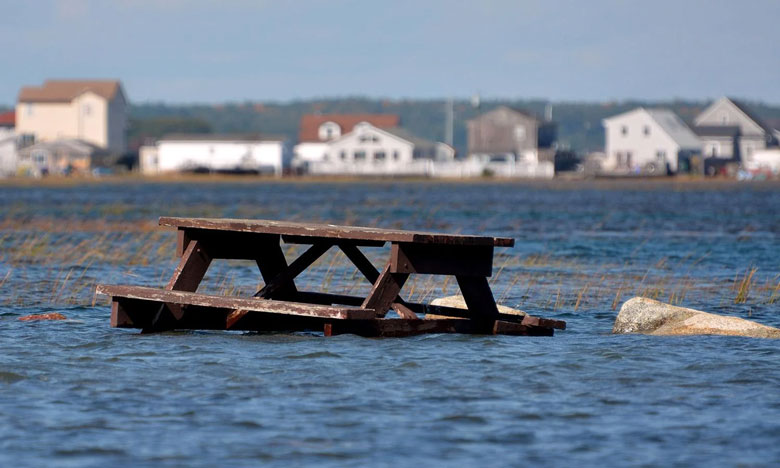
479, 300
370, 272
195, 260
272, 262
385, 291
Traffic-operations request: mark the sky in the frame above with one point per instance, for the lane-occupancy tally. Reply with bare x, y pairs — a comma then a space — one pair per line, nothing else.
197, 51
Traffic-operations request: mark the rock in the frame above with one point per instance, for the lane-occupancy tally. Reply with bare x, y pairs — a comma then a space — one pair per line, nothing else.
35, 317
650, 317
458, 302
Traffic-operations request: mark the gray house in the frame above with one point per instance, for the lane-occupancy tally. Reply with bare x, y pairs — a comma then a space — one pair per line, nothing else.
731, 130
504, 130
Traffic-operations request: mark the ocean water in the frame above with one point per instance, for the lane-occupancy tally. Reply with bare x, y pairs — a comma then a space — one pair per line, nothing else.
79, 393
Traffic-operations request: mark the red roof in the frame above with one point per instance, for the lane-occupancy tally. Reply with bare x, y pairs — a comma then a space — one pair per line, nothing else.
8, 119
310, 123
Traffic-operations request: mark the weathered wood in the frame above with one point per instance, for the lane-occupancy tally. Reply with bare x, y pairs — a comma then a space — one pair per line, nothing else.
191, 268
479, 300
184, 298
404, 327
385, 291
417, 308
286, 276
271, 262
331, 231
471, 260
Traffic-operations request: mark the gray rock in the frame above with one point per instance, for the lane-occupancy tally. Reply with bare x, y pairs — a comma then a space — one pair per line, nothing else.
457, 301
650, 317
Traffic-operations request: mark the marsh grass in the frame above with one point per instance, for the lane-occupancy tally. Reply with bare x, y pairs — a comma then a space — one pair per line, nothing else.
59, 262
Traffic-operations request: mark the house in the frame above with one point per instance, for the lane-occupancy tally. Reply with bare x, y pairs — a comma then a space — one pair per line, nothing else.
8, 119
371, 150
94, 111
216, 153
8, 152
648, 141
64, 156
317, 130
754, 133
508, 131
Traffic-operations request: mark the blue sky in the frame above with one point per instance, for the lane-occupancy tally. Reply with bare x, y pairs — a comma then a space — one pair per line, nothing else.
181, 51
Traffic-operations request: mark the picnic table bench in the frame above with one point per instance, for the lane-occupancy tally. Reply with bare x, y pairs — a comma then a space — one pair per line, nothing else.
280, 306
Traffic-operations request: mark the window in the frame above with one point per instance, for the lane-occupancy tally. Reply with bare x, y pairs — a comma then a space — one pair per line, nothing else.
624, 130
39, 157
396, 156
660, 155
519, 133
29, 109
360, 155
724, 118
329, 131
379, 156
647, 130
87, 109
714, 149
343, 155
368, 138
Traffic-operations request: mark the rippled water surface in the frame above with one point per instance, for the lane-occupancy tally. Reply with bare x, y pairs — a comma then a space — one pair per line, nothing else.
78, 393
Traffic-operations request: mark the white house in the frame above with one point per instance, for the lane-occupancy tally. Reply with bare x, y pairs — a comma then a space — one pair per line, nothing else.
752, 134
370, 150
8, 152
216, 153
648, 141
316, 131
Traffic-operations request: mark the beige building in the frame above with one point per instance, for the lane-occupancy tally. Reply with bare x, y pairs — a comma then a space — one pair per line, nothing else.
92, 111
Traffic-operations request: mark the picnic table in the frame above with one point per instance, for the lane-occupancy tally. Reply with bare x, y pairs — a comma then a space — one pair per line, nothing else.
280, 306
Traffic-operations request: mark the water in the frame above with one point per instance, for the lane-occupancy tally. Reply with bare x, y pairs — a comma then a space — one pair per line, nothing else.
78, 393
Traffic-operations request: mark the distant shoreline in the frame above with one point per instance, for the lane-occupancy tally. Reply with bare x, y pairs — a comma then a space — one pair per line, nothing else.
618, 183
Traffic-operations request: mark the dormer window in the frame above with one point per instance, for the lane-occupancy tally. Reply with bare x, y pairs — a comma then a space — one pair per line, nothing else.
329, 131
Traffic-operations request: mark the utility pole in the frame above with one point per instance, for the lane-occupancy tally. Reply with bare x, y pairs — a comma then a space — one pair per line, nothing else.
449, 121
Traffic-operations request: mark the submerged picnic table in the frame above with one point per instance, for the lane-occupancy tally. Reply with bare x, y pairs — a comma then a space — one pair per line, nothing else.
280, 306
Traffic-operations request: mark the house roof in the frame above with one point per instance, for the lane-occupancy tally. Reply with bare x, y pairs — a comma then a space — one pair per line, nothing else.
511, 109
751, 115
310, 123
241, 137
69, 145
408, 136
67, 90
716, 130
675, 127
8, 119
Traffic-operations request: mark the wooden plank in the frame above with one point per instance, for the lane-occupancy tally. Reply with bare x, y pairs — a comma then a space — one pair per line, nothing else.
332, 231
417, 308
404, 327
385, 291
184, 298
191, 268
442, 259
197, 317
286, 276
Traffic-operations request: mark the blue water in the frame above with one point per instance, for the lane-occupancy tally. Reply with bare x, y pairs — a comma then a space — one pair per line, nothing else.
79, 393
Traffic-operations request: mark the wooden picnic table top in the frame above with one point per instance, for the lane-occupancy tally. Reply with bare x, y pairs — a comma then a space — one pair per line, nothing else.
332, 231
